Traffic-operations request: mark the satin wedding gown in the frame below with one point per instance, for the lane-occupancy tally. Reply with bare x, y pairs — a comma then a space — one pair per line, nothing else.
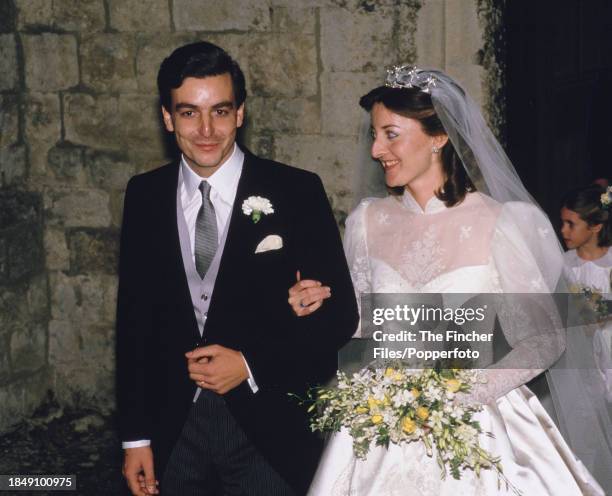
478, 246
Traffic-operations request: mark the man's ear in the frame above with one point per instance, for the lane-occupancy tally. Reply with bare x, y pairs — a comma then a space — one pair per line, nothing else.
167, 120
240, 115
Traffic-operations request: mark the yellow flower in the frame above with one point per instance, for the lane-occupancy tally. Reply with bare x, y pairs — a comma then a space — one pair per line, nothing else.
415, 392
408, 425
453, 385
386, 401
362, 409
422, 412
389, 372
372, 403
377, 419
398, 376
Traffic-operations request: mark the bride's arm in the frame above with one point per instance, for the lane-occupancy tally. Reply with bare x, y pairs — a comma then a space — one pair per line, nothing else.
528, 261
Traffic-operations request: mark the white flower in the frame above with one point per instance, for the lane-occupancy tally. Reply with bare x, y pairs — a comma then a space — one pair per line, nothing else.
255, 206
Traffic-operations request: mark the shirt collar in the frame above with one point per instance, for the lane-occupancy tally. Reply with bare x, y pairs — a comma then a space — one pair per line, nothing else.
224, 181
433, 205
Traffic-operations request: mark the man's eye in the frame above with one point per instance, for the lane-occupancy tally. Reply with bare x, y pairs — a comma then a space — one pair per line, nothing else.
187, 113
222, 112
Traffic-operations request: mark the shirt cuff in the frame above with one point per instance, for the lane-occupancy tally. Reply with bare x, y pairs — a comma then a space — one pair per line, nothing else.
250, 380
136, 444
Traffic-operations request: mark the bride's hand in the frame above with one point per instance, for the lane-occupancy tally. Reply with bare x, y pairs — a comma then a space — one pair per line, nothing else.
306, 296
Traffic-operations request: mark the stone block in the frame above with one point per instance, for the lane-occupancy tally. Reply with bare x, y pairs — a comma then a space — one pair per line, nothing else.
66, 162
282, 65
108, 170
35, 14
13, 167
93, 120
351, 43
85, 16
28, 347
77, 208
141, 124
65, 342
8, 16
152, 50
9, 120
5, 360
43, 127
334, 159
9, 76
37, 298
108, 61
18, 207
100, 343
261, 145
295, 18
340, 93
93, 250
21, 397
51, 61
3, 258
430, 38
144, 15
83, 299
25, 252
211, 15
56, 249
289, 115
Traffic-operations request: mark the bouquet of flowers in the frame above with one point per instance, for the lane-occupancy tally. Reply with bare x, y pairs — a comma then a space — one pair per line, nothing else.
594, 301
395, 405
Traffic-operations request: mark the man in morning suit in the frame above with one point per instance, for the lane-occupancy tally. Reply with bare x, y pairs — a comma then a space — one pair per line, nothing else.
208, 348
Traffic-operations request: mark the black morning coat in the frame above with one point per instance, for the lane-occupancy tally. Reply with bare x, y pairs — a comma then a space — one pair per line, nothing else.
248, 312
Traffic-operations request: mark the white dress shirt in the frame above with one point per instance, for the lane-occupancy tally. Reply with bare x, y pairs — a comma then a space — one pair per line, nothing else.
223, 187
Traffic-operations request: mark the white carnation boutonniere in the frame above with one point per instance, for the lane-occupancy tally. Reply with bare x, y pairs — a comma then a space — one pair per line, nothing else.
256, 206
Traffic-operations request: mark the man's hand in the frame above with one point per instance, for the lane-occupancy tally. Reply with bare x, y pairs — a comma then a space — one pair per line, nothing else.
217, 368
139, 472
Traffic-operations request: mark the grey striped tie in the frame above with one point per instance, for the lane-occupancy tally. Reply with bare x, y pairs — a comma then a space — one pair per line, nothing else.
205, 232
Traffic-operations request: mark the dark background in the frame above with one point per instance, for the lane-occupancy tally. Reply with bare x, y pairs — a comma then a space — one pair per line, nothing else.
558, 82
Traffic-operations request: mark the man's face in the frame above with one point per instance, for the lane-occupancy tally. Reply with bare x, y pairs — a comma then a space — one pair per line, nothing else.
204, 119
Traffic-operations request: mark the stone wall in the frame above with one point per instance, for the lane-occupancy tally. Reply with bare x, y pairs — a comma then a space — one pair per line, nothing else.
79, 115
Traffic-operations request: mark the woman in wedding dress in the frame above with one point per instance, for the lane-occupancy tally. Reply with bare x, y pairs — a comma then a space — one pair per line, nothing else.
459, 221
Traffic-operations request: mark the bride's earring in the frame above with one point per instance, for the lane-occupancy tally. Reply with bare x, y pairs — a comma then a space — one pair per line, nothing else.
435, 149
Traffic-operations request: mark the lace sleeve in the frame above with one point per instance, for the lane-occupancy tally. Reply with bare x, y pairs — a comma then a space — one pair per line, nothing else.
524, 247
356, 249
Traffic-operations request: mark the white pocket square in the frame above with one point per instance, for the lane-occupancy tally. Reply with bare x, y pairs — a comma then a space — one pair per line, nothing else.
270, 242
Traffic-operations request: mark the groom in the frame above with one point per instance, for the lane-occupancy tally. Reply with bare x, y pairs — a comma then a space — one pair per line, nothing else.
208, 348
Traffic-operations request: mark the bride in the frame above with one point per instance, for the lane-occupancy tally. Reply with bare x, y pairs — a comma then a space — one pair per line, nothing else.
459, 221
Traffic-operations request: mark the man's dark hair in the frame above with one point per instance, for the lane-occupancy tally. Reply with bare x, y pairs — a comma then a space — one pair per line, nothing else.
199, 60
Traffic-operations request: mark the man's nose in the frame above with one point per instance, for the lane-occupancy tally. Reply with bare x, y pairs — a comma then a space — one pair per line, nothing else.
206, 126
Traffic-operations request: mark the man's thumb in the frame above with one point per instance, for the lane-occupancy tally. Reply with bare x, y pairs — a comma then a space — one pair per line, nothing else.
149, 473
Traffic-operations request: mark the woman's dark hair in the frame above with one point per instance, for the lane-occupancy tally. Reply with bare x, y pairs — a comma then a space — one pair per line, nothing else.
416, 104
586, 202
201, 59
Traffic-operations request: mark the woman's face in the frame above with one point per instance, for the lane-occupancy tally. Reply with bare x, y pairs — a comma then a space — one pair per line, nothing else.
575, 231
405, 151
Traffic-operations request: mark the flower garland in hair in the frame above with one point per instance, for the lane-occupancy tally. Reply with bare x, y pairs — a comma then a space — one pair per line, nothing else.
606, 198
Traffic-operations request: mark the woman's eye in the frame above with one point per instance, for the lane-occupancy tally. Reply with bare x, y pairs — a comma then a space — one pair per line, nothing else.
391, 135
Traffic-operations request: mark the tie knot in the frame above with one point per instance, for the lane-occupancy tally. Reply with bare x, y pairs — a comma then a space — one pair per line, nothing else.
205, 189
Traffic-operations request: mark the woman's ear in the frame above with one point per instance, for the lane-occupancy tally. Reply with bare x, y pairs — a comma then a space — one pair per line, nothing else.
596, 228
440, 140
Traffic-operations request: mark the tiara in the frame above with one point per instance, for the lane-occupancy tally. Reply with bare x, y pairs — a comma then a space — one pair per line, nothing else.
405, 76
606, 198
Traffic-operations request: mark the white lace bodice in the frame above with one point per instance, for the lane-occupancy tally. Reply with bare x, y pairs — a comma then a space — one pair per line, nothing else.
478, 246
